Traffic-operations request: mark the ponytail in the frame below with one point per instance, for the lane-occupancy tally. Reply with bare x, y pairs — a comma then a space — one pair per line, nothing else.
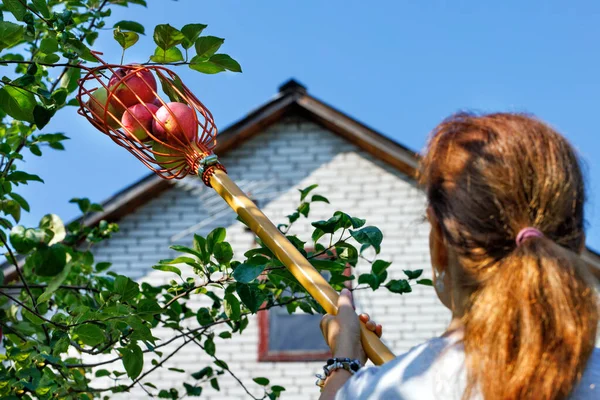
530, 327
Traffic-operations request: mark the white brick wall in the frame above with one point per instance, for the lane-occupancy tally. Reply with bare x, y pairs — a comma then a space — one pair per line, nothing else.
290, 155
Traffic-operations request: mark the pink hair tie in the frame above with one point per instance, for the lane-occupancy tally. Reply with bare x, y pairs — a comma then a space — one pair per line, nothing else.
527, 233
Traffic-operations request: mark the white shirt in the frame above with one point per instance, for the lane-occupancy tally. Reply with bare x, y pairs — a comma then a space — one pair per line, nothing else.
435, 370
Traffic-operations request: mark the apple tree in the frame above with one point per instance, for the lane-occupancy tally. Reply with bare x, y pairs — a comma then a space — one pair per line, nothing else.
67, 322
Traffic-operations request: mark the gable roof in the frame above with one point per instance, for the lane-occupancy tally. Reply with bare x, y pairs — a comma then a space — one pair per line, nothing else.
292, 99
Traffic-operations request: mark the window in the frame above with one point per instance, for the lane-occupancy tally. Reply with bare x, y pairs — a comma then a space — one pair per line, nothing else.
291, 337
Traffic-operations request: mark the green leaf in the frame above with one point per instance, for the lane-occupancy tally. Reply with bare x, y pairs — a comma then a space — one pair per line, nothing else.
246, 273
22, 177
18, 103
261, 381
168, 86
102, 266
317, 234
201, 64
102, 372
70, 79
425, 282
191, 33
370, 236
130, 26
16, 7
251, 296
50, 58
35, 150
225, 61
318, 197
49, 45
89, 334
126, 288
31, 317
54, 284
232, 307
59, 96
83, 204
12, 208
304, 192
184, 249
192, 390
42, 7
216, 236
91, 37
10, 34
347, 252
379, 266
413, 274
41, 116
125, 39
277, 389
53, 223
223, 253
50, 261
165, 36
81, 49
203, 316
209, 347
167, 268
204, 372
225, 335
399, 286
215, 384
23, 240
304, 209
167, 56
206, 46
133, 360
369, 279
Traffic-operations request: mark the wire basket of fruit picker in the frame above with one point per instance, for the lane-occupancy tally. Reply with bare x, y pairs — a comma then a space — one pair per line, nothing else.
170, 132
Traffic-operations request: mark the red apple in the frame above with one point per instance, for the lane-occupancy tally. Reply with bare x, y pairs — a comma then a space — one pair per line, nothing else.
140, 83
137, 120
176, 119
102, 109
168, 157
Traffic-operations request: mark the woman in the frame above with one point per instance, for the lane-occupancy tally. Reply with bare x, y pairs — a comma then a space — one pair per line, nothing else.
505, 203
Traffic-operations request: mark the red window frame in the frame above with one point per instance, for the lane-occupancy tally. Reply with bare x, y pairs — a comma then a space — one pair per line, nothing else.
265, 355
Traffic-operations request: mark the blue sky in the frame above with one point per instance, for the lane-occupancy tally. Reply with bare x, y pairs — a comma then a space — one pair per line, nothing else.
399, 66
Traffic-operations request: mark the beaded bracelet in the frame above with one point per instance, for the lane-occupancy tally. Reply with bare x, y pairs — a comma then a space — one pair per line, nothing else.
333, 364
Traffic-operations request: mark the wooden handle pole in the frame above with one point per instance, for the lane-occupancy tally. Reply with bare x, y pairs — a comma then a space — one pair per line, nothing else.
298, 265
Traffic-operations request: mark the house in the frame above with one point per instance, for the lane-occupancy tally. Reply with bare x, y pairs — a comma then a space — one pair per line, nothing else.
290, 142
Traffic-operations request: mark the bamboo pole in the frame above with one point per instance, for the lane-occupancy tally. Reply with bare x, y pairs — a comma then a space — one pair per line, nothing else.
297, 264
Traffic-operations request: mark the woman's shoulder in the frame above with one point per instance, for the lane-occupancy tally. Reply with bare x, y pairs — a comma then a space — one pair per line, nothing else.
423, 372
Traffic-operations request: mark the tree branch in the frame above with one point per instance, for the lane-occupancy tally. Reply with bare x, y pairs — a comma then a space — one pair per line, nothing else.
67, 287
33, 300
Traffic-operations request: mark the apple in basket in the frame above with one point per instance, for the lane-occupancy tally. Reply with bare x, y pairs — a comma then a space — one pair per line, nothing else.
137, 120
132, 85
103, 110
168, 157
175, 119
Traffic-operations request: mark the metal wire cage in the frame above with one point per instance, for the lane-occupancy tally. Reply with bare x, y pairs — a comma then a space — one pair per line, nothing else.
170, 130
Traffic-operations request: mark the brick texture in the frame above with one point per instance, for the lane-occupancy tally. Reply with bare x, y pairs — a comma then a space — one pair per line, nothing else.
271, 166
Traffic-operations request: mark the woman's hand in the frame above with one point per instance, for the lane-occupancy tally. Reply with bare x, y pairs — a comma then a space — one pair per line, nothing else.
342, 331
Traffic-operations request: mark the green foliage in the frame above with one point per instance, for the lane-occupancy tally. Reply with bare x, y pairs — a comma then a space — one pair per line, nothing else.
63, 301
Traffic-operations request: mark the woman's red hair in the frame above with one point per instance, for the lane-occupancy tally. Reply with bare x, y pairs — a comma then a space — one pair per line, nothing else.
530, 322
